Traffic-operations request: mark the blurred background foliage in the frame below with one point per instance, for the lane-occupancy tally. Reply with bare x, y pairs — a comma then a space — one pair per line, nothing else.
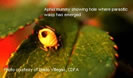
118, 24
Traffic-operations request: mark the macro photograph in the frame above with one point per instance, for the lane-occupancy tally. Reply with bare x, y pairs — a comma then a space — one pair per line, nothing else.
66, 38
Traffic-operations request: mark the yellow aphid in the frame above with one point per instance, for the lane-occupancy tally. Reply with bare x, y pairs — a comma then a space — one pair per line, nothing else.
48, 38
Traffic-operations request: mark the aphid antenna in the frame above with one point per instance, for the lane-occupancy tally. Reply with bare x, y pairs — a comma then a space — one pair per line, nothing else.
50, 28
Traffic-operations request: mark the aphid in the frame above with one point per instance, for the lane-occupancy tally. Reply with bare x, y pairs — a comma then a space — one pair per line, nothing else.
48, 38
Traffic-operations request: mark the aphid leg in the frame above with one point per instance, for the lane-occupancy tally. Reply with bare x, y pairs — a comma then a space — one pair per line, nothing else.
45, 48
50, 48
50, 28
56, 47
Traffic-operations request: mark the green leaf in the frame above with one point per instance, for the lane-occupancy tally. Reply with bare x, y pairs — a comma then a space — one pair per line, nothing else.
87, 49
11, 19
92, 54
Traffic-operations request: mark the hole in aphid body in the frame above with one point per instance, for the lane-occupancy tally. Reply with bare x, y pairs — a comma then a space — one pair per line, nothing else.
44, 34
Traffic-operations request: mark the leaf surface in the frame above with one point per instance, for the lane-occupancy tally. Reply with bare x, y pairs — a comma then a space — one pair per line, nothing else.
87, 50
12, 19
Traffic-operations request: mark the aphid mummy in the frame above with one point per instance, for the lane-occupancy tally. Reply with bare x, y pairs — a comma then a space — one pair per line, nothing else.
48, 38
